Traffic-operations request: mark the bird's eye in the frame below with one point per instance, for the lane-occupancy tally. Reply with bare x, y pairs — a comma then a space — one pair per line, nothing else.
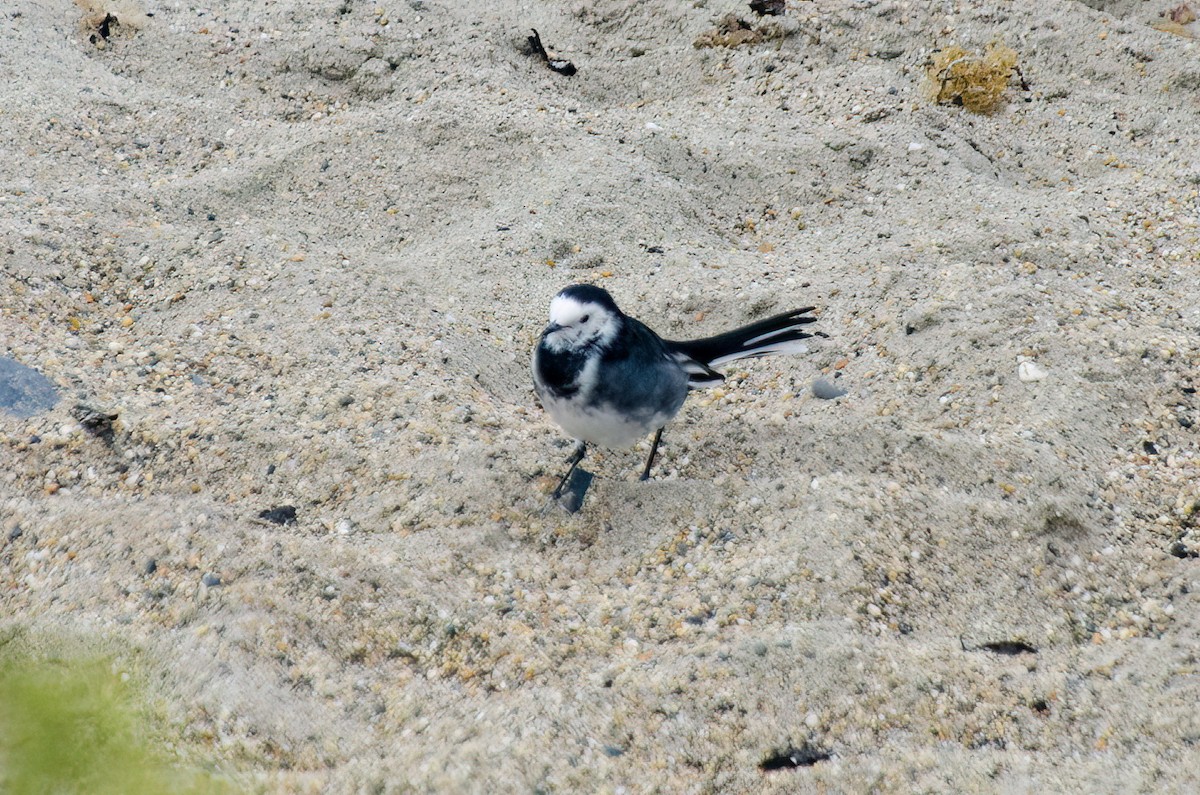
584, 319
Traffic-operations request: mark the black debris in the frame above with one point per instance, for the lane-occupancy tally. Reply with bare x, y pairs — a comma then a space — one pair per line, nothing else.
102, 27
1009, 648
791, 757
768, 8
284, 514
1150, 448
559, 65
95, 421
1021, 77
151, 566
105, 26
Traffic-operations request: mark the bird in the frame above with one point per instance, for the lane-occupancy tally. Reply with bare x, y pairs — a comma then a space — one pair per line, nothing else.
608, 379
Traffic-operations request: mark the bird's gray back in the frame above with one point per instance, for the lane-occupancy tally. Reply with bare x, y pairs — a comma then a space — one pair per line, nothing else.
640, 378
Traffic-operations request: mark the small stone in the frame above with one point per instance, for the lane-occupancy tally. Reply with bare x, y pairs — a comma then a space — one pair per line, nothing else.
210, 580
151, 566
826, 390
1030, 372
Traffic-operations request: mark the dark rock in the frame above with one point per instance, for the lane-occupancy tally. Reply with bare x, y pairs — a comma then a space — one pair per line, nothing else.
284, 514
24, 391
1182, 550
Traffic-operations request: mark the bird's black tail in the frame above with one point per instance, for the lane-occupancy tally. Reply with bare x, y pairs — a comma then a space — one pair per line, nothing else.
778, 334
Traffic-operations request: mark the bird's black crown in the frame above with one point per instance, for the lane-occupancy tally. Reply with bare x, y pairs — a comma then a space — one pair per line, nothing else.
590, 294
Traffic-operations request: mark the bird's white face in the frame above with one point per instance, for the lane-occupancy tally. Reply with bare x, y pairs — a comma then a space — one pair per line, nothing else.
576, 324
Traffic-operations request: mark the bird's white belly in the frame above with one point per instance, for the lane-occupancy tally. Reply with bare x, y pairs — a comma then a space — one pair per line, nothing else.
600, 424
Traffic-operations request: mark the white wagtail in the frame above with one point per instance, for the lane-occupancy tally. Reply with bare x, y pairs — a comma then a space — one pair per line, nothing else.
607, 379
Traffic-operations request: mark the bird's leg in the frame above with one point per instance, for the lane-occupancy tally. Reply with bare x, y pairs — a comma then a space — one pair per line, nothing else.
653, 450
576, 457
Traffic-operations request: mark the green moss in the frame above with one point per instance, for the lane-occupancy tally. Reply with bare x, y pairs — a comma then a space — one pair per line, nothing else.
76, 726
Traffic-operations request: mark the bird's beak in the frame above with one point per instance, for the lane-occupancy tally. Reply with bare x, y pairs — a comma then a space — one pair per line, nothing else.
553, 327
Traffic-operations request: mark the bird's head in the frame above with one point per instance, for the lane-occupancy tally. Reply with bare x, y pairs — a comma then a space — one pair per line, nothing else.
581, 315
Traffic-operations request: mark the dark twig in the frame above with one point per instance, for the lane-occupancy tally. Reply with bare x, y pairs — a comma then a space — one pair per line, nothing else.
563, 67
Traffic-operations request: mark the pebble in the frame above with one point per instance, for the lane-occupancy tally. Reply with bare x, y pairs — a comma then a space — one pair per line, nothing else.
826, 390
211, 580
1029, 372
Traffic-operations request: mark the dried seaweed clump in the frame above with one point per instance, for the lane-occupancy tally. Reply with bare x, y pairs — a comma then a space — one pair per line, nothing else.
1176, 21
733, 31
977, 82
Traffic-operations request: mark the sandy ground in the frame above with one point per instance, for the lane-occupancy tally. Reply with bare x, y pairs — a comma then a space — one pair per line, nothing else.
302, 250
